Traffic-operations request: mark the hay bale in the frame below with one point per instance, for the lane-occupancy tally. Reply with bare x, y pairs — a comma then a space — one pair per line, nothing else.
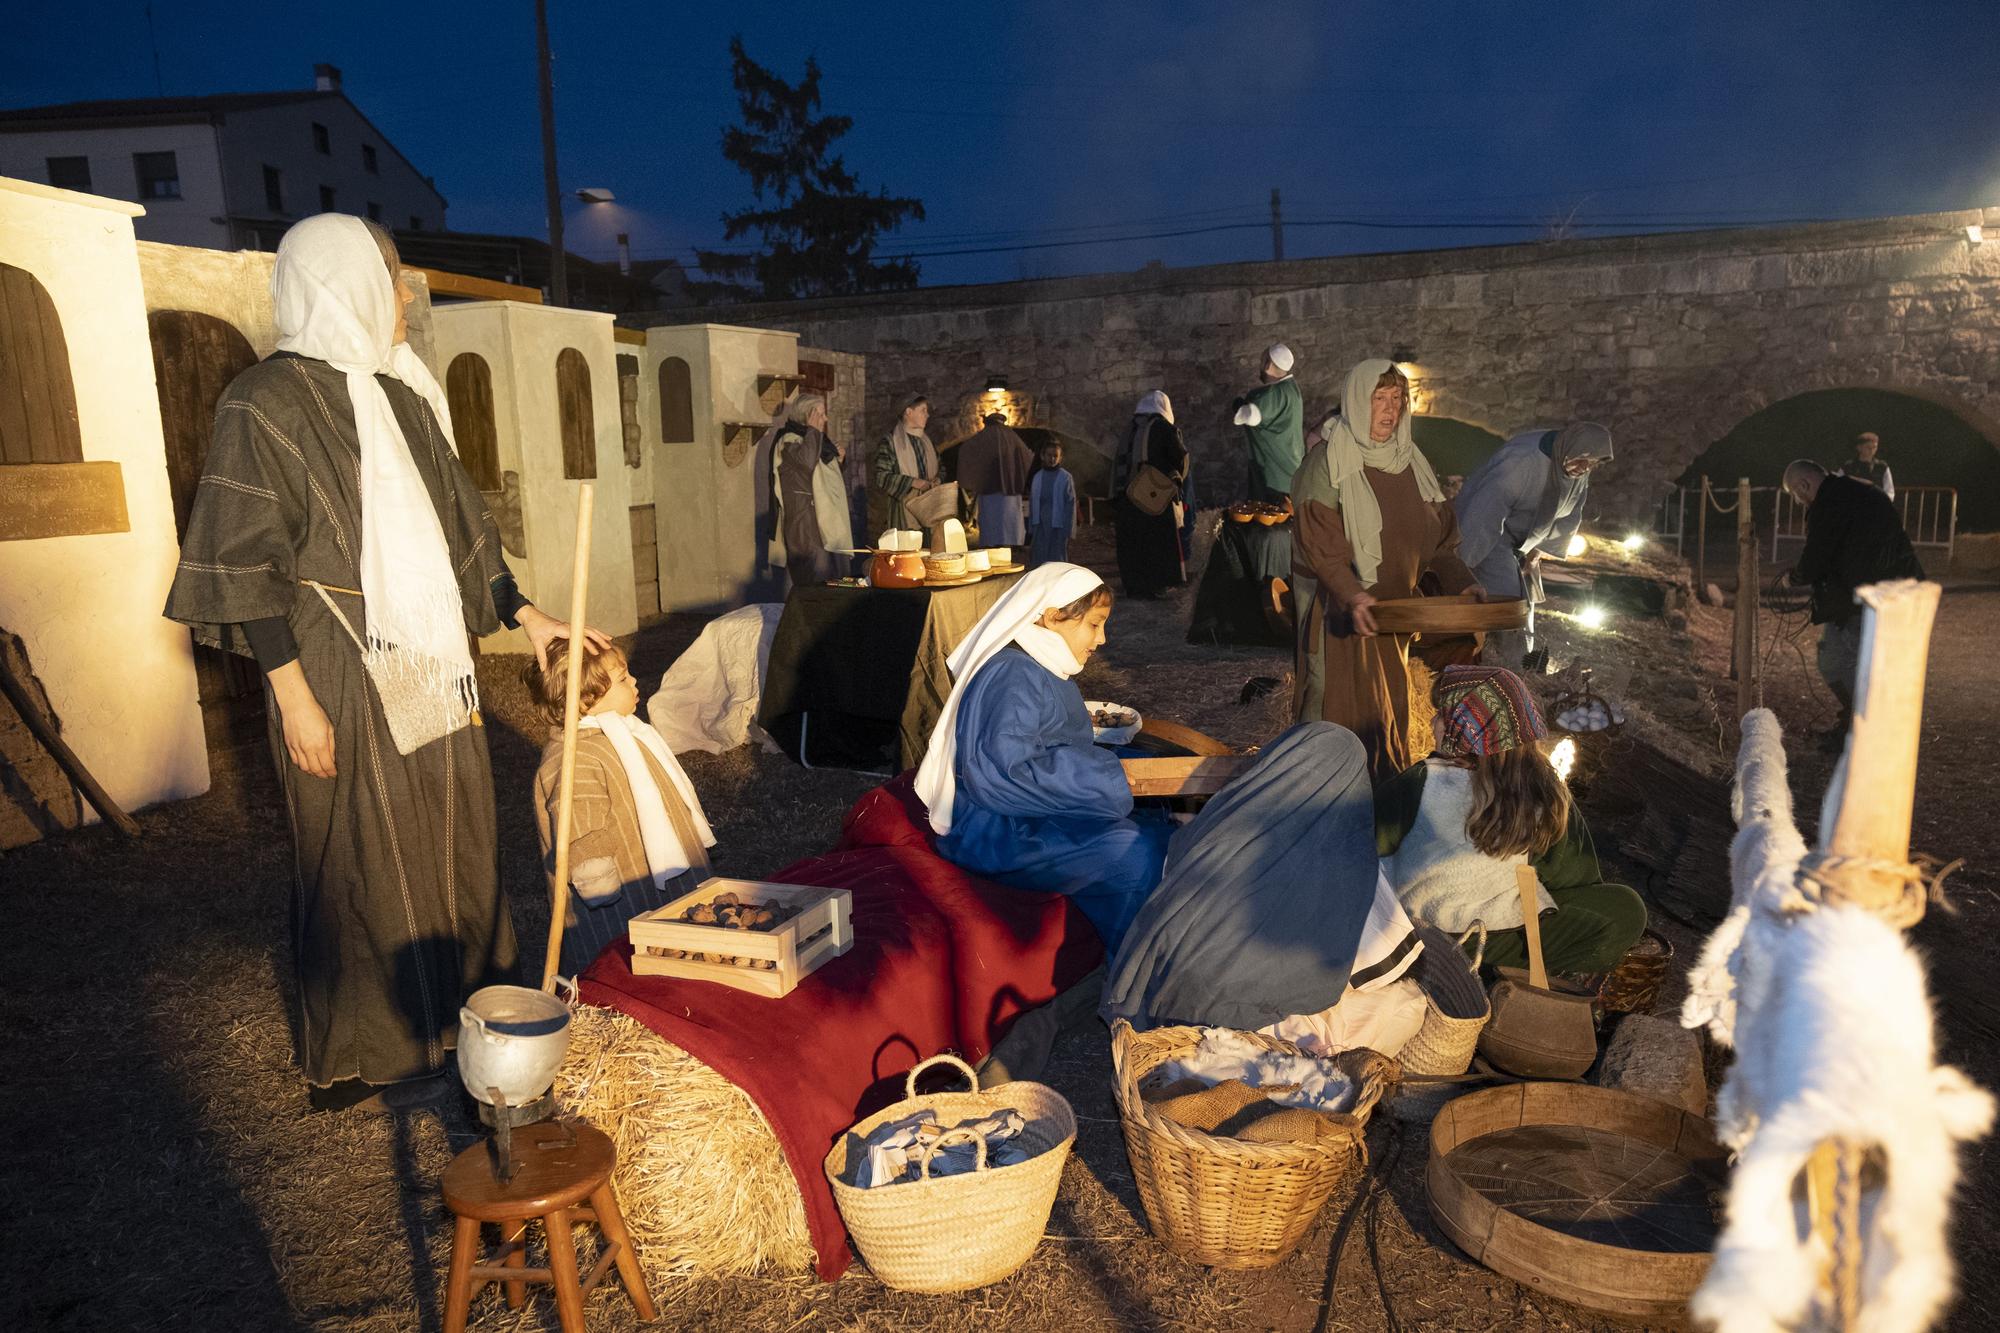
703, 1184
1421, 711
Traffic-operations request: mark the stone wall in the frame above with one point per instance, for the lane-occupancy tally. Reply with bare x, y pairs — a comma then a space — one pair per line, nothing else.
1671, 340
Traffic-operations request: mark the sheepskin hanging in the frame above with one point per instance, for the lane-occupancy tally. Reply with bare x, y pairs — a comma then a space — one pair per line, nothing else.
1827, 1010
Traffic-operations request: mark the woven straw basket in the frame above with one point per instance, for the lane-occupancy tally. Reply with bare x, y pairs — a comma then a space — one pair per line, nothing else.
954, 1233
1222, 1201
1455, 1004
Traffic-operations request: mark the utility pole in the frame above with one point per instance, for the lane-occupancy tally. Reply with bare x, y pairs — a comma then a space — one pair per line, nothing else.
558, 260
1277, 226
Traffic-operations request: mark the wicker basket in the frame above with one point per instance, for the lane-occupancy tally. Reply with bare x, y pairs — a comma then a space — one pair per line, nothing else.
1633, 987
1223, 1201
954, 1233
1455, 1004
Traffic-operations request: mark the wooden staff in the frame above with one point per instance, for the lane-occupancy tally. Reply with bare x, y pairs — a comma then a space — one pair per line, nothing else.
1747, 595
1863, 860
579, 586
22, 698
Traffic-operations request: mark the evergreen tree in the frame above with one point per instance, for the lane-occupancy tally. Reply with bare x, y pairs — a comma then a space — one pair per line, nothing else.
818, 227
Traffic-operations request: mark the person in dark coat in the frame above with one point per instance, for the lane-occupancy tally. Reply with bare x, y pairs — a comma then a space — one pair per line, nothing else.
1853, 538
1150, 556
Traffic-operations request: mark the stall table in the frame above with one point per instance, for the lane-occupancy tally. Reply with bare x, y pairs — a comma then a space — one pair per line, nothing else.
1232, 605
857, 676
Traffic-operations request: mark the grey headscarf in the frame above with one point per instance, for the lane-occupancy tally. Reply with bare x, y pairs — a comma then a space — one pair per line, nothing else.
1579, 439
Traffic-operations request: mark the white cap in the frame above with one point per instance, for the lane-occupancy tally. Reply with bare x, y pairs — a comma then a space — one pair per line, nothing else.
1280, 356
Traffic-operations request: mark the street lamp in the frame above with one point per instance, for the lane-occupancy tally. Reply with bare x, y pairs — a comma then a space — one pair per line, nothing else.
596, 194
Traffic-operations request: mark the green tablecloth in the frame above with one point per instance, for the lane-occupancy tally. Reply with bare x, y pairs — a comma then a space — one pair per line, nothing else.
857, 676
1229, 606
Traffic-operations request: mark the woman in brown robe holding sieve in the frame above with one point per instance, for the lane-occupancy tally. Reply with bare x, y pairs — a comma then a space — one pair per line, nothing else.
1371, 522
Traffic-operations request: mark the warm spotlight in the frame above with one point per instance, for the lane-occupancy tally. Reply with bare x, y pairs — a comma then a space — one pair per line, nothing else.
1577, 546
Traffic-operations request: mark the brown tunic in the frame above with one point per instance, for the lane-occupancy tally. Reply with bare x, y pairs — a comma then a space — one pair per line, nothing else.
1363, 683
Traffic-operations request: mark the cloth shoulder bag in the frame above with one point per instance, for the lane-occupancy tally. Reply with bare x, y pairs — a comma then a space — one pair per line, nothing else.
1151, 490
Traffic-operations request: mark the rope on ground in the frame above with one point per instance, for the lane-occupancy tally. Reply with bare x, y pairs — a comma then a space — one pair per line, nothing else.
1368, 1200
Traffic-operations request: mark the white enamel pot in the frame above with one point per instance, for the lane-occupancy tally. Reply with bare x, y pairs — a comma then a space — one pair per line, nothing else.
513, 1039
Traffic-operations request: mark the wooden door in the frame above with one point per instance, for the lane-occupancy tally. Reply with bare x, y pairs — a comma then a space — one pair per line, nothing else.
195, 356
646, 560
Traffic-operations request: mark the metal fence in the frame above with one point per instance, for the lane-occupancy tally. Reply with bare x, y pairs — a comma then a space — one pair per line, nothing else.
1930, 517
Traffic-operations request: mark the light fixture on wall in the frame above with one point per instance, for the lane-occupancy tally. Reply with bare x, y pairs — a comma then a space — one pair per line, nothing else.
1974, 234
596, 194
996, 384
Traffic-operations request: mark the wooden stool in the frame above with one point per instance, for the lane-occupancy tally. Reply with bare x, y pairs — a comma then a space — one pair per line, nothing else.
560, 1165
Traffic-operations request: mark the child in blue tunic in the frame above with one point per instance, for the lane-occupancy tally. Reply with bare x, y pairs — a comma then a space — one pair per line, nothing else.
1051, 509
1015, 785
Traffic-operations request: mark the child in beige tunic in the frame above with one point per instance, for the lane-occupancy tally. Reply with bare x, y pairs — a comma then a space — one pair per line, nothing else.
614, 875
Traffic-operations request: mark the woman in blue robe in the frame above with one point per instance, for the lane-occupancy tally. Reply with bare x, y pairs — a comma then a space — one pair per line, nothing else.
1016, 787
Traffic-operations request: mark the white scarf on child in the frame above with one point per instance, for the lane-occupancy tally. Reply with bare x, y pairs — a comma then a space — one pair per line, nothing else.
665, 856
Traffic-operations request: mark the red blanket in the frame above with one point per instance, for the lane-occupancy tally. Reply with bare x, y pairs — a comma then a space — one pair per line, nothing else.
942, 961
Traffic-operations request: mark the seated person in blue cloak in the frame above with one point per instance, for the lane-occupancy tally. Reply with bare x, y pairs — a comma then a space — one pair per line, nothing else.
1016, 787
1273, 905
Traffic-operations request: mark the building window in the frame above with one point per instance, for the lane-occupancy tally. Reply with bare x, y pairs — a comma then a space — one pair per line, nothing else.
416, 223
70, 173
37, 399
628, 409
326, 199
322, 141
676, 402
368, 159
468, 389
159, 175
579, 423
374, 212
274, 189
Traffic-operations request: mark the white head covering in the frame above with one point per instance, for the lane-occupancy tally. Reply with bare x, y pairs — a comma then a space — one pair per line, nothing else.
1155, 404
1349, 449
334, 300
1280, 356
1010, 621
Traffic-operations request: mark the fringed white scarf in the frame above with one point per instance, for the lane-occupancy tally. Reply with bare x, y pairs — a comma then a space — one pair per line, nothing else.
335, 301
1011, 621
1349, 450
666, 855
910, 446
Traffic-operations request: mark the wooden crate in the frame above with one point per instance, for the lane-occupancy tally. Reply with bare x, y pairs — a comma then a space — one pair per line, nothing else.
821, 930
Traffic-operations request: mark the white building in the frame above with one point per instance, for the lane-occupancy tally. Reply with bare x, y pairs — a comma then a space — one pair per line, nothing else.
229, 172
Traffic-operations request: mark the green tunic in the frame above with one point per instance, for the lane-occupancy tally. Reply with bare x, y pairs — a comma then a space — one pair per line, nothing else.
1278, 440
396, 907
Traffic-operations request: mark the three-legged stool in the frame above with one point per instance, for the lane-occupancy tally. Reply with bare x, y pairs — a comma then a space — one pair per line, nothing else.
561, 1164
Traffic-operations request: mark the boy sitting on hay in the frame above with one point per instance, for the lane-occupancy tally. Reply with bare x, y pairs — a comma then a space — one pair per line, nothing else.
638, 838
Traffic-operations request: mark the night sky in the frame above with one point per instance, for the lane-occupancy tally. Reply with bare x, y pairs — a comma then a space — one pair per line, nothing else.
1020, 125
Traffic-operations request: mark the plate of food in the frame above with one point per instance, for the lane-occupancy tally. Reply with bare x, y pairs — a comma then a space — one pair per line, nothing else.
1114, 724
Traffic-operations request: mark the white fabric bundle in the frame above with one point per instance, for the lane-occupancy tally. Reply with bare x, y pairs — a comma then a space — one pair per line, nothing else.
1010, 622
1381, 1019
1310, 1084
1827, 1010
666, 855
333, 299
708, 698
895, 1151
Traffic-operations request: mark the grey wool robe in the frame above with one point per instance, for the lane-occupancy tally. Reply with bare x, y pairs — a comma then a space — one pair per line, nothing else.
396, 908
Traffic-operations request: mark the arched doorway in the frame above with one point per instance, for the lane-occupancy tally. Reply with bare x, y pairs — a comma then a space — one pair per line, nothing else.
195, 356
1454, 448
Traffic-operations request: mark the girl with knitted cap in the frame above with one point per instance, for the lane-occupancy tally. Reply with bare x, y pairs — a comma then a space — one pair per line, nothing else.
1452, 829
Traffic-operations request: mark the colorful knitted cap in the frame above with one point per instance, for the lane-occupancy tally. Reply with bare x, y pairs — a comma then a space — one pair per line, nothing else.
1484, 710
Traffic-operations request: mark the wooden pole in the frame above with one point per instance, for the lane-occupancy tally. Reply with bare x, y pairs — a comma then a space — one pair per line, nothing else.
579, 586
1863, 859
22, 698
1746, 600
1701, 546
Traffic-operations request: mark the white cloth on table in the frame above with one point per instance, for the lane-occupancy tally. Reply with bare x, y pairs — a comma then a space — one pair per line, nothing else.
708, 698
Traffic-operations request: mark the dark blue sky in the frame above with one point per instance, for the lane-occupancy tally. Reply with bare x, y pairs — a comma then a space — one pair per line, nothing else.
1055, 120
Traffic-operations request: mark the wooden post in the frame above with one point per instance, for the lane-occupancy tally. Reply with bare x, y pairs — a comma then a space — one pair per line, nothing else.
22, 698
1746, 600
579, 584
1701, 546
1862, 859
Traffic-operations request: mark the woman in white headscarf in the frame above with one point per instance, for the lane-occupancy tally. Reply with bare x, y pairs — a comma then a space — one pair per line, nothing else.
813, 518
1016, 786
335, 538
1372, 522
1147, 515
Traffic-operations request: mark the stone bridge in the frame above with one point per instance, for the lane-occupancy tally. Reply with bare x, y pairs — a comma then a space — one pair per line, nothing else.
1670, 339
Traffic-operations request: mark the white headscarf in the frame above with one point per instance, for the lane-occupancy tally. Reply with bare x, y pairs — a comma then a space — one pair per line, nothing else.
1155, 404
335, 301
1349, 449
1010, 621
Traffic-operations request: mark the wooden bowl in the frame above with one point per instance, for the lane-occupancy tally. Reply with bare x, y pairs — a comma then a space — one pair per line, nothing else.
1449, 615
